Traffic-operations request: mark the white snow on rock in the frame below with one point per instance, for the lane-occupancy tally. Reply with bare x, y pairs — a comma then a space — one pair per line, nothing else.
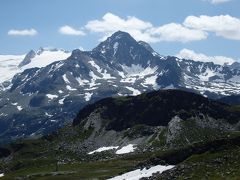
152, 81
19, 108
115, 48
95, 65
61, 101
9, 66
70, 88
88, 96
126, 149
134, 72
138, 174
107, 76
138, 70
206, 75
48, 115
2, 174
135, 91
93, 80
51, 96
47, 57
171, 86
100, 71
66, 79
101, 149
9, 63
82, 82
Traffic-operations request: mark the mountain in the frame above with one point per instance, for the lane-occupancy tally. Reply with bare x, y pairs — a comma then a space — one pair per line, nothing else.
233, 100
41, 99
11, 65
8, 66
117, 135
235, 65
179, 117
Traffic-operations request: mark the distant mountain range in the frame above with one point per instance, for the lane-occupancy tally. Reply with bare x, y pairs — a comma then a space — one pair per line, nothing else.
10, 65
48, 91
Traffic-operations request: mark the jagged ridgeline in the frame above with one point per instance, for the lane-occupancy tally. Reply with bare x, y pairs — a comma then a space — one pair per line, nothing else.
41, 99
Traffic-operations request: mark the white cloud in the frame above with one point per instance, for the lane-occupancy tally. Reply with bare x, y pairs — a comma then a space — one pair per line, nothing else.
177, 32
190, 54
215, 2
224, 25
68, 30
24, 32
143, 30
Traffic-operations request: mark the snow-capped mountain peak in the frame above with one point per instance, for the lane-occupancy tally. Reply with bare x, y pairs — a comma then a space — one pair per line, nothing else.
119, 66
13, 64
43, 57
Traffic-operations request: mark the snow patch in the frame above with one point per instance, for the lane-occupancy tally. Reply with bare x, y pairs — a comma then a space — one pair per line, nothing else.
95, 65
48, 115
206, 75
140, 173
82, 82
66, 79
51, 96
70, 88
135, 91
19, 108
47, 57
115, 48
126, 149
88, 96
101, 149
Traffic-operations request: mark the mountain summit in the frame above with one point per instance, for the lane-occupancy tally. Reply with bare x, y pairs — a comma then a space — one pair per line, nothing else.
122, 48
49, 91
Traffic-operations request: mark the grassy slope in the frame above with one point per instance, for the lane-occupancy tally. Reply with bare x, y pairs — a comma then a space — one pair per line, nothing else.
194, 161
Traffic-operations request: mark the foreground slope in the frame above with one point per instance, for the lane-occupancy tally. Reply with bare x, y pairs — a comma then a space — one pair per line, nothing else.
164, 127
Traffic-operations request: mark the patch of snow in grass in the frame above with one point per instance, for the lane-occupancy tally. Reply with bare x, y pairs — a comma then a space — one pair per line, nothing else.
138, 174
126, 149
103, 149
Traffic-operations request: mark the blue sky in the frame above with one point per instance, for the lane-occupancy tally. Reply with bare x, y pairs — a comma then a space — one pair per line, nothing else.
210, 27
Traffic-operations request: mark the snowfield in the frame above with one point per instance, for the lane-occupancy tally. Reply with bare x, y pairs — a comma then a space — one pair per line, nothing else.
126, 149
103, 149
9, 64
138, 174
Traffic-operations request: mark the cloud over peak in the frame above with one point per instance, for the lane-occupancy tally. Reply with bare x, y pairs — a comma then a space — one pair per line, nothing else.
224, 25
190, 54
143, 30
23, 32
68, 30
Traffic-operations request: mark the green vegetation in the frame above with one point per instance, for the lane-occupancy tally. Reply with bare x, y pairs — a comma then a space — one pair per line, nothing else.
37, 160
